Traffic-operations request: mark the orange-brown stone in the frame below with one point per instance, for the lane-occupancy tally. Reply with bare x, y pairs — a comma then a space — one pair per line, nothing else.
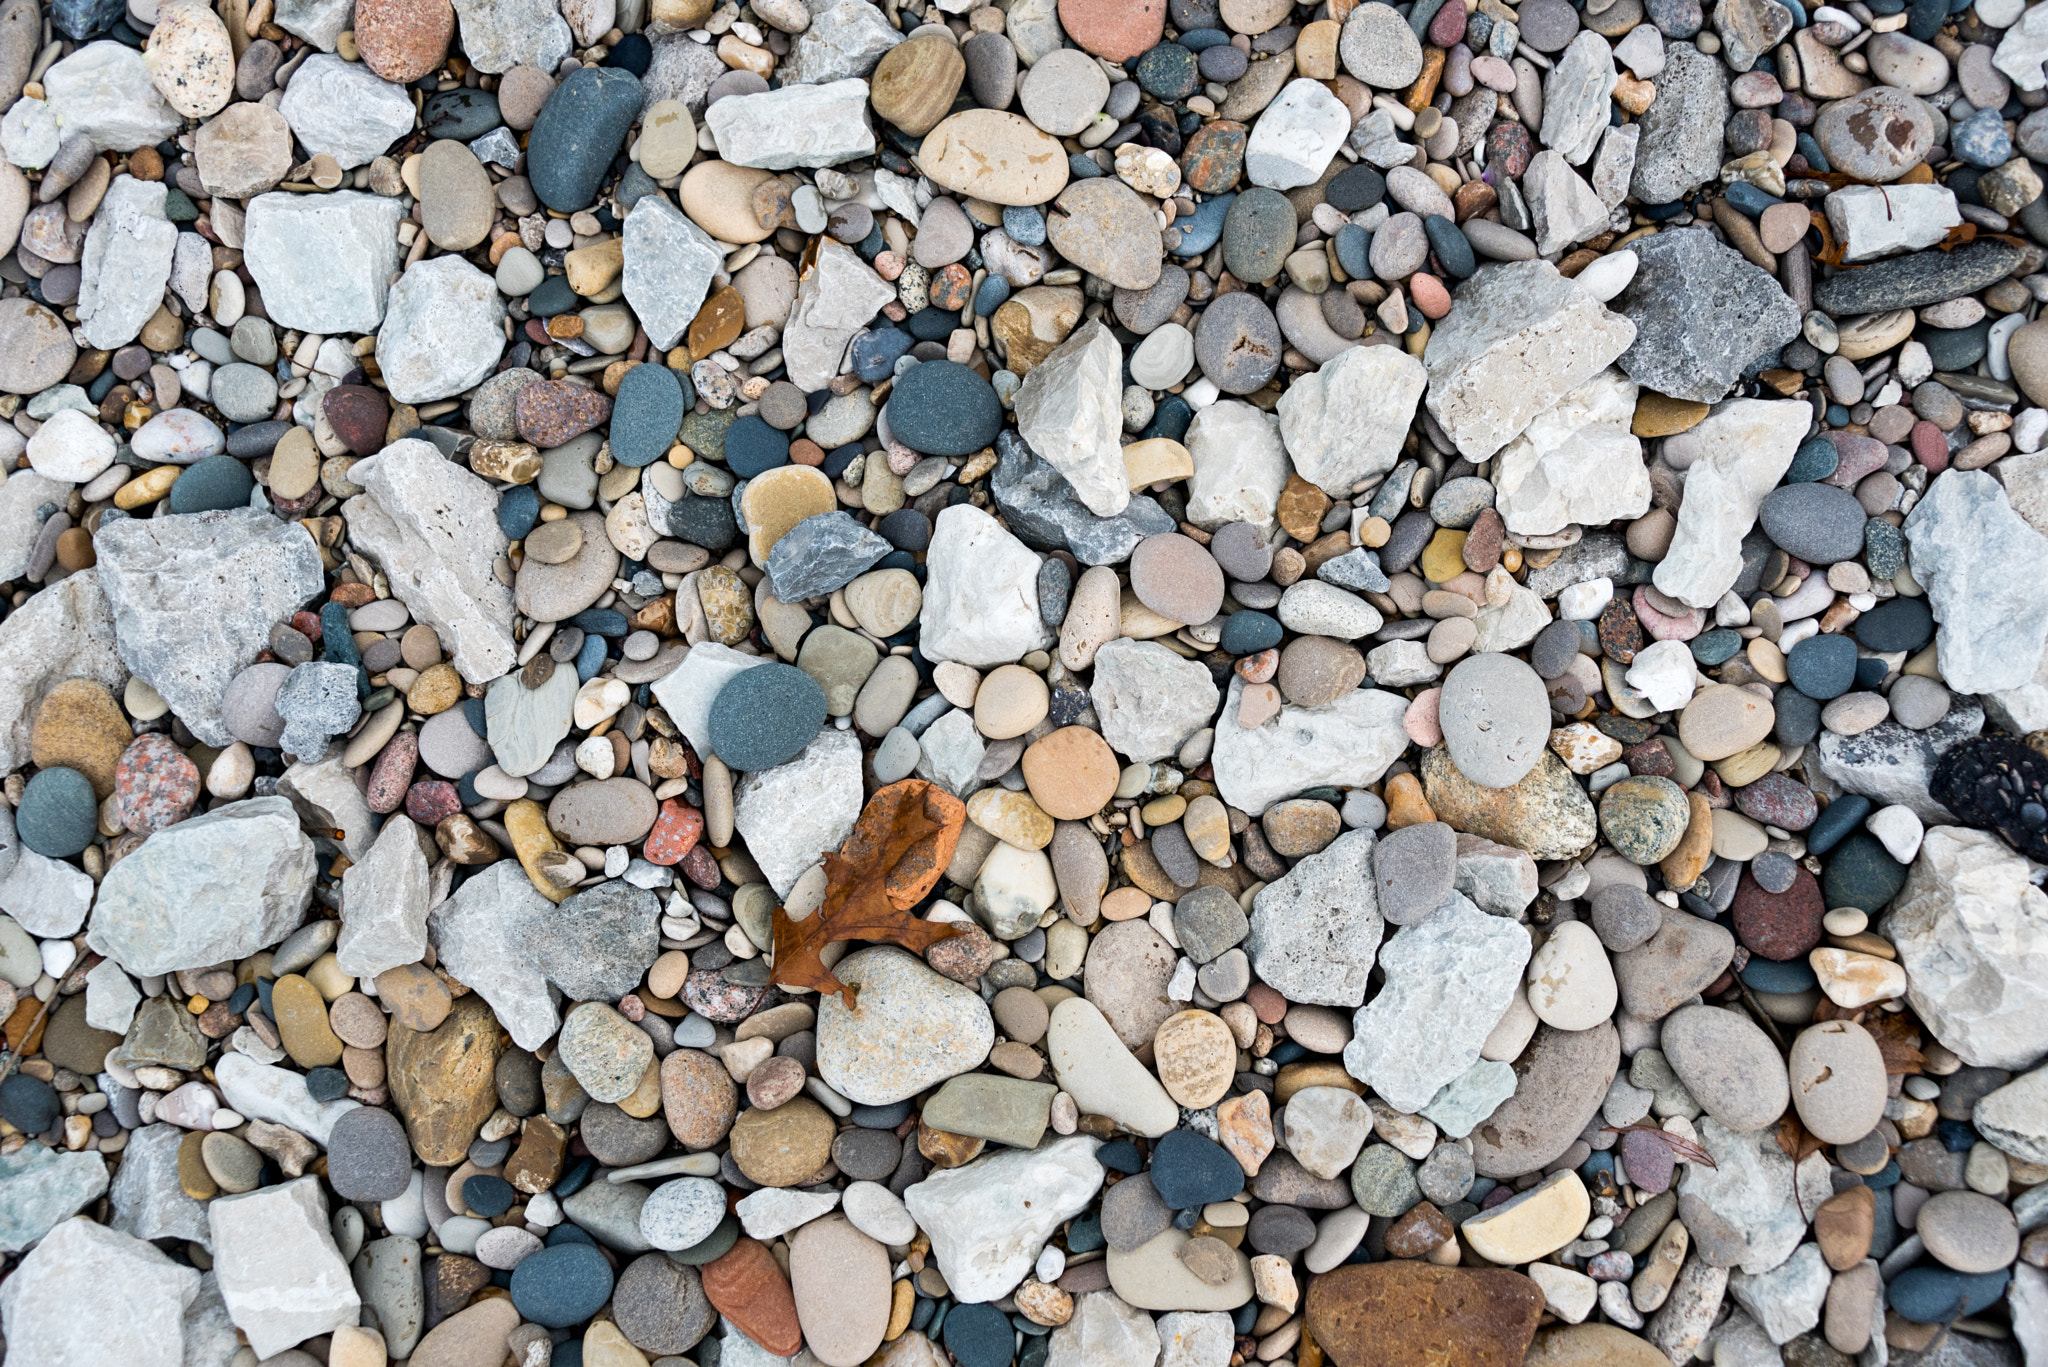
1413, 1314
747, 1287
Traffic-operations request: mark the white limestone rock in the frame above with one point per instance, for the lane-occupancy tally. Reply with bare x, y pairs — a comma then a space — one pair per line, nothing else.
1070, 411
498, 35
47, 897
796, 125
1751, 1187
23, 496
1105, 1331
433, 526
345, 110
845, 38
110, 998
323, 262
126, 264
1191, 1338
194, 599
319, 22
1615, 163
1577, 462
988, 1220
482, 935
1575, 97
1971, 931
1349, 742
1346, 421
384, 902
1448, 979
217, 886
103, 92
1562, 207
2020, 710
911, 1029
1296, 135
1518, 338
1744, 447
981, 592
54, 1309
1149, 699
325, 794
1315, 608
442, 330
950, 753
792, 814
1240, 466
1964, 541
1102, 1075
1877, 220
835, 299
687, 692
2023, 50
669, 262
2015, 1117
1786, 1301
263, 1091
1316, 929
280, 1273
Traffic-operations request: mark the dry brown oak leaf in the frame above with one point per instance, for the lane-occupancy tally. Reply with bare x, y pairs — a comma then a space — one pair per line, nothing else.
900, 846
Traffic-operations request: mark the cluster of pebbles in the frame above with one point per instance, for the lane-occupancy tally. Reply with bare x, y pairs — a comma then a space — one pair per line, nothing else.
1100, 683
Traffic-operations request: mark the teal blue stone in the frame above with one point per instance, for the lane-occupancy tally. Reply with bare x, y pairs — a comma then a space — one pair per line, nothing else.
518, 510
58, 815
564, 1284
1715, 647
942, 408
1935, 1295
212, 485
1822, 667
645, 415
580, 129
1861, 873
1815, 459
1836, 820
1248, 633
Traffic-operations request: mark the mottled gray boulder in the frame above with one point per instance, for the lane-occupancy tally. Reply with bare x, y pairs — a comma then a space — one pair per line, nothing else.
1966, 542
1315, 931
280, 1273
385, 900
1681, 143
216, 887
845, 38
1702, 313
316, 700
1047, 515
1907, 282
127, 260
1150, 700
195, 597
820, 555
59, 1308
1890, 764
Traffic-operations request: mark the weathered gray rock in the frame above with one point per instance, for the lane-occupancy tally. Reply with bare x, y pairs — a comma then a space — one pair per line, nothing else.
1681, 142
1575, 463
324, 793
126, 263
1448, 978
194, 599
834, 300
280, 1273
1240, 466
2015, 1117
54, 1308
669, 262
103, 92
1575, 97
64, 632
1890, 764
821, 555
792, 814
1149, 699
1348, 742
23, 511
1750, 1186
1070, 410
1702, 314
323, 262
1969, 927
1965, 540
46, 897
1315, 930
845, 38
1346, 421
1043, 510
989, 1220
40, 1186
442, 330
913, 1028
319, 22
796, 125
1876, 220
345, 110
317, 700
433, 526
147, 1199
384, 902
1519, 338
1562, 207
1786, 1301
217, 886
1744, 446
980, 593
500, 34
1905, 282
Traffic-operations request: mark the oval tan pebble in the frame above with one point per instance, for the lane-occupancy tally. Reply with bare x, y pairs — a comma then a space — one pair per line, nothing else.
1968, 1231
1723, 720
356, 1020
1838, 1081
884, 602
1196, 1057
783, 1147
991, 155
732, 202
1071, 773
191, 62
698, 1098
1126, 904
1010, 701
665, 977
1176, 577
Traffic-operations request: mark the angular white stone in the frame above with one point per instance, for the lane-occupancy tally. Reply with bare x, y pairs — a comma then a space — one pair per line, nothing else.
1577, 462
1745, 447
262, 1091
1326, 1127
1786, 1301
772, 1212
1316, 929
478, 934
1346, 421
1195, 1339
1349, 742
1613, 166
319, 22
1070, 410
1562, 207
126, 263
148, 1202
1518, 338
325, 794
1575, 97
989, 1219
1750, 1186
1876, 220
793, 814
500, 34
1964, 541
1294, 139
345, 110
40, 1186
950, 753
1149, 699
1971, 931
384, 902
433, 526
442, 330
23, 496
1105, 1331
103, 92
1103, 1076
1663, 672
845, 38
981, 592
2015, 1117
48, 897
669, 262
1240, 466
797, 125
280, 1273
214, 887
2023, 49
1448, 978
323, 262
835, 299
55, 1308
110, 998
71, 447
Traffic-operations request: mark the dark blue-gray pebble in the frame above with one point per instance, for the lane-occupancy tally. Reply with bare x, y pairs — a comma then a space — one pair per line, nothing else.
58, 815
1258, 233
1822, 667
1025, 223
1448, 241
1934, 1295
1200, 230
1354, 245
1054, 586
1840, 817
29, 1104
1167, 72
326, 1084
257, 439
1222, 63
993, 294
460, 114
1554, 649
212, 485
1896, 624
1190, 1170
488, 1196
645, 415
1359, 187
1715, 647
1861, 873
1884, 548
706, 522
564, 1284
942, 408
1247, 633
1815, 459
580, 129
1818, 523
1798, 718
752, 447
1768, 975
906, 529
552, 296
765, 715
875, 353
979, 1336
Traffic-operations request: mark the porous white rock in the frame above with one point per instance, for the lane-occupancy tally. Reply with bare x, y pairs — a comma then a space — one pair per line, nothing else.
988, 1219
981, 592
1240, 466
669, 262
1149, 699
1316, 929
1096, 1069
1964, 540
1070, 411
103, 92
345, 110
1448, 978
793, 814
796, 125
1744, 448
1663, 672
280, 1273
54, 1308
1295, 136
1346, 421
1877, 220
1349, 742
500, 34
126, 263
262, 1091
442, 330
1105, 1331
1575, 97
384, 902
323, 262
1971, 931
2023, 49
1576, 462
433, 527
835, 299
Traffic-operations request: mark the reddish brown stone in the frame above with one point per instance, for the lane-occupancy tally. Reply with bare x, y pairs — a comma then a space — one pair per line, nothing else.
675, 834
358, 414
698, 1098
154, 784
1484, 541
1651, 759
537, 1162
392, 773
1114, 29
1621, 635
553, 411
1778, 801
1421, 1229
1779, 925
748, 1288
450, 1284
1448, 26
1214, 157
432, 801
403, 40
1411, 1314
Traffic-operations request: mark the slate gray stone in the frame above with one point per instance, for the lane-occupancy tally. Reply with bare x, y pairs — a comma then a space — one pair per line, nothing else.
1702, 314
820, 555
40, 1186
1681, 142
1047, 515
1906, 282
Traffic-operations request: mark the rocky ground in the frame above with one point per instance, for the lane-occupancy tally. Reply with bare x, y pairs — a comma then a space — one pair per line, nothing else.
1109, 683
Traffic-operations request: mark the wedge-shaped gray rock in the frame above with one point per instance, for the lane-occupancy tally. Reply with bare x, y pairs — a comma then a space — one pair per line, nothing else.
384, 902
39, 1187
821, 555
324, 793
194, 599
1346, 421
1966, 542
1702, 313
1562, 207
845, 38
148, 1200
27, 500
45, 896
1045, 513
669, 262
64, 632
91, 1295
1349, 742
797, 125
1449, 978
1150, 700
127, 260
835, 299
501, 937
500, 34
1315, 931
1749, 1186
433, 526
216, 887
791, 814
1575, 97
1681, 143
1071, 412
1520, 338
103, 92
280, 1273
1890, 764
1744, 447
323, 262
